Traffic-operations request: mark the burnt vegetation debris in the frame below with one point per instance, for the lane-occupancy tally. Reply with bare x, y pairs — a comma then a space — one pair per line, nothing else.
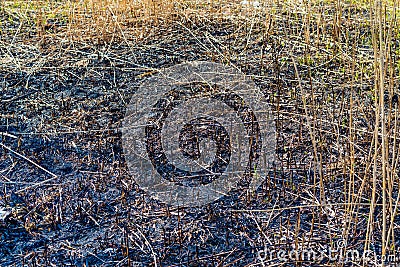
63, 97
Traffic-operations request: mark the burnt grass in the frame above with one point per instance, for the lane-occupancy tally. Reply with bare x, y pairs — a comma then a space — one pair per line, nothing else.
63, 110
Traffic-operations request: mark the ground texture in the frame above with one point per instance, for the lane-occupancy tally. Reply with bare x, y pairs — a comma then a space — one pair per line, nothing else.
62, 104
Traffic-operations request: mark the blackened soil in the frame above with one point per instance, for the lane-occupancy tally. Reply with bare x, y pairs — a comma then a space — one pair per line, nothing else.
63, 109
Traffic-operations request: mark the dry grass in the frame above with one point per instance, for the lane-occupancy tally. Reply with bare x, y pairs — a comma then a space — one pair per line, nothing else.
104, 20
